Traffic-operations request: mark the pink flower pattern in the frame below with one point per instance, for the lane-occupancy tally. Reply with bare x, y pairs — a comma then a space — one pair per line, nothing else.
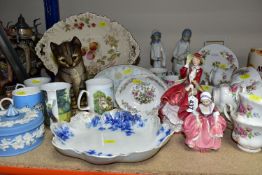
244, 132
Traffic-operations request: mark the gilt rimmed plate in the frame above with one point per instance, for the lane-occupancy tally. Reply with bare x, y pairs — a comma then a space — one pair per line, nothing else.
104, 42
121, 72
140, 94
115, 136
216, 55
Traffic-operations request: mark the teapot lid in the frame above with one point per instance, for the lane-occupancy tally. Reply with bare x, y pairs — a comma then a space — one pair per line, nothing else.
21, 24
11, 112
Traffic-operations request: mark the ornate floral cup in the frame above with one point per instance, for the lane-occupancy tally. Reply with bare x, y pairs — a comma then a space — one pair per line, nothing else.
247, 134
250, 104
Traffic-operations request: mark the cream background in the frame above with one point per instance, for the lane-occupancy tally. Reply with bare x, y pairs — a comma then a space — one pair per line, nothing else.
237, 22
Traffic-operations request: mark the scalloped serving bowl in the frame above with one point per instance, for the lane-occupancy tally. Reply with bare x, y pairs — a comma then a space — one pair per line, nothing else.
115, 136
104, 42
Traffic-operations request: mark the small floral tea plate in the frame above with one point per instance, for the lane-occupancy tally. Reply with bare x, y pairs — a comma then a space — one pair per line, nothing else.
121, 72
140, 94
216, 55
115, 136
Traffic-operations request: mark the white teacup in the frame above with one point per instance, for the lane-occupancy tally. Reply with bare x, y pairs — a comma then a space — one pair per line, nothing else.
100, 95
34, 82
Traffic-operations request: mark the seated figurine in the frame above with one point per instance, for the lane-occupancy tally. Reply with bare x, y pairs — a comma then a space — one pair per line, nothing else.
179, 100
204, 127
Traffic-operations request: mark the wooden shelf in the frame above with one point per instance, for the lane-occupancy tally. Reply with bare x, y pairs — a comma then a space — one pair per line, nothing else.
174, 158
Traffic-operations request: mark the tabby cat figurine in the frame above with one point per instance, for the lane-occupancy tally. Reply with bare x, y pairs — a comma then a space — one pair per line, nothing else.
71, 67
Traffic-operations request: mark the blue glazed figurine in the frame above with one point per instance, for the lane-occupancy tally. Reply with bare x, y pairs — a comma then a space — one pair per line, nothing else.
157, 53
181, 51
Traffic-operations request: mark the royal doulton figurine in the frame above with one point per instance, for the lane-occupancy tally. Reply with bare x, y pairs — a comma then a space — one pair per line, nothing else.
204, 127
157, 53
181, 51
181, 99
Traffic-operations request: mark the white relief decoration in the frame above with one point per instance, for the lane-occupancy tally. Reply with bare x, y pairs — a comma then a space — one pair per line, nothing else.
29, 116
20, 141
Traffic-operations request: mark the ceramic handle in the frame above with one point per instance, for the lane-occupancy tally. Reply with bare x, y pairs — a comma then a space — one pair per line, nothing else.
51, 104
79, 100
228, 116
5, 99
18, 85
210, 76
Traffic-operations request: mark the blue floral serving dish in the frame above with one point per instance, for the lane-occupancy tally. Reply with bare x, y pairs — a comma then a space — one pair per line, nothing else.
115, 136
21, 130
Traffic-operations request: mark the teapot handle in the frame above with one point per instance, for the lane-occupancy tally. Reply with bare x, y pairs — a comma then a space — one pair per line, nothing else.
231, 110
240, 89
210, 76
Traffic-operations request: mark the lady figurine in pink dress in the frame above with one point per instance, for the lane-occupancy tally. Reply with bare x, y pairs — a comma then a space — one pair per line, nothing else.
204, 127
181, 99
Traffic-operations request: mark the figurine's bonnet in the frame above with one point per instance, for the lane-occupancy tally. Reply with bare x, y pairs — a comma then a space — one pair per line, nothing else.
205, 96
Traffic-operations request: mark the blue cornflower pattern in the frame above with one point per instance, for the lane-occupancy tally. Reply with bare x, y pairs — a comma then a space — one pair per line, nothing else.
63, 132
95, 153
121, 120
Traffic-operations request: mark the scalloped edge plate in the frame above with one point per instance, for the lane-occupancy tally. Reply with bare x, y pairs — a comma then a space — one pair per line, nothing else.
84, 120
115, 44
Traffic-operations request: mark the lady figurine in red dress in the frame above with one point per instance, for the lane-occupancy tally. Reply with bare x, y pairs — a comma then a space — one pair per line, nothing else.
204, 127
181, 99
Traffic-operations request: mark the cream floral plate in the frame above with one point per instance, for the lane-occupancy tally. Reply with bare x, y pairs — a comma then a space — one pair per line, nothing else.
140, 94
216, 55
115, 136
121, 72
104, 42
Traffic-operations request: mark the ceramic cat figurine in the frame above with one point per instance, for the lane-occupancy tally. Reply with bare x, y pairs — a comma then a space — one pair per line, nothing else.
71, 67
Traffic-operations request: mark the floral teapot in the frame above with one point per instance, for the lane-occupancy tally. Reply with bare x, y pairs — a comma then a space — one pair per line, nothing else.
221, 75
243, 79
226, 94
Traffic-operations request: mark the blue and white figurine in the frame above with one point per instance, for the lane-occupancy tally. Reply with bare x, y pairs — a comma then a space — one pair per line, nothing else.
181, 51
157, 53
